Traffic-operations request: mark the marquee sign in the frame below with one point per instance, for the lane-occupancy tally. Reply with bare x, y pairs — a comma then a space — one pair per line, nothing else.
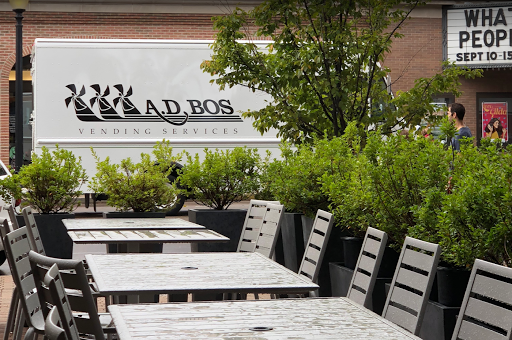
478, 36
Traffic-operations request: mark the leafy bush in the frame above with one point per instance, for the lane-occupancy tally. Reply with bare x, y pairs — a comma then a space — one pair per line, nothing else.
141, 186
223, 177
294, 180
50, 184
346, 184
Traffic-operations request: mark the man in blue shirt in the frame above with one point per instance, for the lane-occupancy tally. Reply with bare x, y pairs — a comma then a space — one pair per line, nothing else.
456, 114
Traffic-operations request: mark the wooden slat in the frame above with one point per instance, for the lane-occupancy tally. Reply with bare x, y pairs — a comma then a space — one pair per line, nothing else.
492, 288
254, 224
247, 247
273, 215
489, 313
257, 211
308, 268
268, 228
407, 298
469, 330
372, 246
418, 260
412, 279
356, 296
367, 263
401, 318
317, 239
265, 241
313, 254
321, 225
251, 235
361, 280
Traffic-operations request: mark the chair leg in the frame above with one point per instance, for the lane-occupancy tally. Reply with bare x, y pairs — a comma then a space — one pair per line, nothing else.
19, 323
11, 317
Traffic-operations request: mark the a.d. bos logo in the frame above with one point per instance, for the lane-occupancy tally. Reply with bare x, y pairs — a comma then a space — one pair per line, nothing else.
121, 108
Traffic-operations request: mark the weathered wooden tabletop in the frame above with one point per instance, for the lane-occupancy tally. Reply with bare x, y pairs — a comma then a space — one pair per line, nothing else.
125, 274
312, 318
146, 236
128, 223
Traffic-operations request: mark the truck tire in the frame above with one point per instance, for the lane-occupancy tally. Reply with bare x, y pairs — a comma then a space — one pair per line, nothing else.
173, 177
2, 257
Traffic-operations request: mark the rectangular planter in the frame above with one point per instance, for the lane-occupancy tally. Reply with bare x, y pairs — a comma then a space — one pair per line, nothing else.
340, 282
226, 222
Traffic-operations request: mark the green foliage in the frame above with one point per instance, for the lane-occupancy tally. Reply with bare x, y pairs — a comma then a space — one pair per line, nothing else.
50, 184
223, 177
476, 219
347, 184
294, 179
139, 186
323, 67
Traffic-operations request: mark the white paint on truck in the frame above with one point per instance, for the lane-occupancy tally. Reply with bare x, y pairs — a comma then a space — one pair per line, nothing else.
121, 96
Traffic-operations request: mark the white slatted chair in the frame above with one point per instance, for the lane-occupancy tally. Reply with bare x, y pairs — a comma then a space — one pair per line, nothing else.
367, 267
315, 248
252, 225
412, 282
35, 239
486, 311
17, 247
269, 231
60, 314
12, 216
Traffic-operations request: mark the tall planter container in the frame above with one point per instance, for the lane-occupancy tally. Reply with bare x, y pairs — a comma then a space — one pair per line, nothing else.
290, 246
226, 222
54, 235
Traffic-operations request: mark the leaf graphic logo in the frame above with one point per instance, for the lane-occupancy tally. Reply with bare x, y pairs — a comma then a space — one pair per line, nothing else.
83, 112
106, 110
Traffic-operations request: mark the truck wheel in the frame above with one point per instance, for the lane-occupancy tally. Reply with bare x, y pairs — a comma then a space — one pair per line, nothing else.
2, 257
173, 177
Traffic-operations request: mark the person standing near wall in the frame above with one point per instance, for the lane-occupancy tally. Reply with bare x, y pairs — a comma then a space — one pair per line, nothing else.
456, 112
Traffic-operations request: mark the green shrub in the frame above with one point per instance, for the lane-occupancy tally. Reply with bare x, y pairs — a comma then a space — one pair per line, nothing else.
50, 184
346, 184
142, 186
294, 180
223, 177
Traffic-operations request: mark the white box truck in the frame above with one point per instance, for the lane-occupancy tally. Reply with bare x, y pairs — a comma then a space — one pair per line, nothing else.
122, 96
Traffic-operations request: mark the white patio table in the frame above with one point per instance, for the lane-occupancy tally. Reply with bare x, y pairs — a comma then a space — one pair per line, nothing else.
312, 318
134, 238
128, 223
146, 274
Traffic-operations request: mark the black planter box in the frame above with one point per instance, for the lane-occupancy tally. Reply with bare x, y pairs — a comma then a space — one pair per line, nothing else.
226, 222
340, 282
290, 242
54, 235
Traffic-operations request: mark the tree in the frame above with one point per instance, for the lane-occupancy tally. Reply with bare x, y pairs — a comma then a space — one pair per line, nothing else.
323, 65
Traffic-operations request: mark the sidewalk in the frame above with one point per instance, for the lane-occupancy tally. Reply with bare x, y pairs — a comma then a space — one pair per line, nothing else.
7, 285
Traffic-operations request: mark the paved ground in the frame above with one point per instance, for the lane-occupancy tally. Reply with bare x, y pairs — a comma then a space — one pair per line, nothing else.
7, 285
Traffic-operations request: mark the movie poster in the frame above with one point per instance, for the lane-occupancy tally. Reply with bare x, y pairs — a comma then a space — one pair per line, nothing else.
495, 121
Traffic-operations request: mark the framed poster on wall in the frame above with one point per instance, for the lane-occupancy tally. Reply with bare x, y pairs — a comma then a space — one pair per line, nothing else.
495, 120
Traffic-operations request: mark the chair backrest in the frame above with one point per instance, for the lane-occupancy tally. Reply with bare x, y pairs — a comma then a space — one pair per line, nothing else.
412, 282
252, 225
59, 299
35, 238
315, 248
17, 247
367, 267
79, 294
52, 331
269, 231
12, 216
486, 311
5, 228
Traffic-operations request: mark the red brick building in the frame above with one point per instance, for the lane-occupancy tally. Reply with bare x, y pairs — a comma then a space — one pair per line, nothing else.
418, 54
